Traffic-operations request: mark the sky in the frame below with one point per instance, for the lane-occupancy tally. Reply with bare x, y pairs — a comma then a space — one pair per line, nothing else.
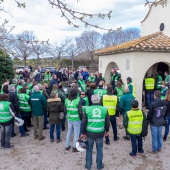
46, 22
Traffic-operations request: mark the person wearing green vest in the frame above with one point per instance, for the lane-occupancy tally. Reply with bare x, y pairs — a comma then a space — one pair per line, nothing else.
111, 102
19, 86
100, 91
114, 77
25, 108
82, 83
95, 125
118, 91
91, 78
133, 121
167, 78
132, 87
7, 114
47, 76
158, 81
73, 109
163, 90
38, 107
149, 90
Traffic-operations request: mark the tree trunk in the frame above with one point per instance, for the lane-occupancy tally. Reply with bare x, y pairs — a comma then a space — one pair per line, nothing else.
72, 61
38, 59
25, 60
59, 61
92, 61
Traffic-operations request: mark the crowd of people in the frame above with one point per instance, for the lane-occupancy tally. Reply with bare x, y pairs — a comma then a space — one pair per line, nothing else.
88, 105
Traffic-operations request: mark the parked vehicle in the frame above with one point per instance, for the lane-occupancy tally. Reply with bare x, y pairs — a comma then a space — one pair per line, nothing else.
51, 69
21, 68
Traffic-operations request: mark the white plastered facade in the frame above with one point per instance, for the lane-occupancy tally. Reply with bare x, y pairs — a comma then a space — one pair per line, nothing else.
132, 64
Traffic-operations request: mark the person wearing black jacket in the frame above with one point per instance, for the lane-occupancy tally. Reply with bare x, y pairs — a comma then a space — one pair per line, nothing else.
98, 78
14, 100
156, 117
95, 125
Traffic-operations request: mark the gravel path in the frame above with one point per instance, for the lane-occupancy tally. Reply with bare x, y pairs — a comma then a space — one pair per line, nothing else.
31, 154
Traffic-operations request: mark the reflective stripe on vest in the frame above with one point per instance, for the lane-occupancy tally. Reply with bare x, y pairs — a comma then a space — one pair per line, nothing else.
135, 121
96, 118
110, 102
159, 83
149, 83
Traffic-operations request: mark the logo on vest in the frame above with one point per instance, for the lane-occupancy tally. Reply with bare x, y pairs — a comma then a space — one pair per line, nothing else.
70, 103
96, 113
1, 107
100, 93
21, 96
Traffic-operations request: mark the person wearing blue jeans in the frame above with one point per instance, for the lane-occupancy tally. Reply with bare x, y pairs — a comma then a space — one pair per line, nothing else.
52, 126
5, 136
167, 128
149, 98
73, 125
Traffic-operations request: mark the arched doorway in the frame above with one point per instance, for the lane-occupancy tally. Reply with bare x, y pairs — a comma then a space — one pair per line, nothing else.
109, 67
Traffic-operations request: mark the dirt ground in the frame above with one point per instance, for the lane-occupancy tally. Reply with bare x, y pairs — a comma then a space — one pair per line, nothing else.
31, 154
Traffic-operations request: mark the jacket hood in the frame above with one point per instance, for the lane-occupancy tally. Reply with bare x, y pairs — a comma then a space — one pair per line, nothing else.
54, 100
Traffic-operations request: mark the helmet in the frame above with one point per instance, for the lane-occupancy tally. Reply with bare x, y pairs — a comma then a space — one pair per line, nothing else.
18, 121
81, 145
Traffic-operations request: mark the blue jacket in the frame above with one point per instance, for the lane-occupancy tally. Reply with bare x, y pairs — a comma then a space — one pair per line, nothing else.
52, 82
85, 75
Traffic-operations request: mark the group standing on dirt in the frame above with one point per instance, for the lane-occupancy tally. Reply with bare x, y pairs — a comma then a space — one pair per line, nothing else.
88, 105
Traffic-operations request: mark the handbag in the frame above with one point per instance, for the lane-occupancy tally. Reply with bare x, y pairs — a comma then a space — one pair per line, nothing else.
61, 115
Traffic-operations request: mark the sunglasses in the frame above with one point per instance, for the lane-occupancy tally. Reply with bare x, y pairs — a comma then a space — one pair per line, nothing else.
82, 94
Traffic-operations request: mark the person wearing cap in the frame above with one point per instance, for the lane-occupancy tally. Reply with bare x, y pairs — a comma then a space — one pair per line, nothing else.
156, 117
114, 76
95, 125
149, 90
133, 121
132, 87
111, 102
125, 105
38, 106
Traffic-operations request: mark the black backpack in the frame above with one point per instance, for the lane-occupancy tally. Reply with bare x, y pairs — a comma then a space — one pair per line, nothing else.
144, 132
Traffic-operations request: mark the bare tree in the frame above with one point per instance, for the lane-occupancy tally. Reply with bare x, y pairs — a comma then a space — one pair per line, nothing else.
117, 37
58, 51
72, 51
23, 49
89, 41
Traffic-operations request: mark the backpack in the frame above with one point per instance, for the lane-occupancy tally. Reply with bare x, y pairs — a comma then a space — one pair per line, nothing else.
144, 132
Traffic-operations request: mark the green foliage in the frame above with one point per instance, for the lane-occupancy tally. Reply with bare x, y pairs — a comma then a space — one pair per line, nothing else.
6, 67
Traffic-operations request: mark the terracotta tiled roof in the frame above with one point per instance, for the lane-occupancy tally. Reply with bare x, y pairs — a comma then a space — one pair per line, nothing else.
153, 42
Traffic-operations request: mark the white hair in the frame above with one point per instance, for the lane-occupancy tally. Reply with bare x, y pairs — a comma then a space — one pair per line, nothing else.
95, 98
39, 86
36, 88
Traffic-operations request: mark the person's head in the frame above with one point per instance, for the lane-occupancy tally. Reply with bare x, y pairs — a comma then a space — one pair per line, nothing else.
25, 69
25, 85
54, 76
135, 104
100, 84
96, 73
167, 97
20, 72
118, 84
3, 97
149, 75
54, 95
114, 71
21, 82
60, 86
47, 71
157, 94
36, 88
95, 99
129, 80
73, 94
100, 74
15, 81
54, 87
82, 94
81, 77
74, 86
11, 88
39, 68
6, 82
91, 75
109, 89
166, 73
67, 83
126, 89
163, 84
120, 80
93, 86
40, 86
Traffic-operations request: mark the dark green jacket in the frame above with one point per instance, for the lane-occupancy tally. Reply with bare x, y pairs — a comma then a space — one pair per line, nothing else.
125, 102
38, 103
61, 95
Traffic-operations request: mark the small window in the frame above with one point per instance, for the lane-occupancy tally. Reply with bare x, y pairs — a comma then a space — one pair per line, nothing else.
162, 27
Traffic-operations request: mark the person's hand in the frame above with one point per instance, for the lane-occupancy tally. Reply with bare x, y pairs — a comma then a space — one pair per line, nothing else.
106, 134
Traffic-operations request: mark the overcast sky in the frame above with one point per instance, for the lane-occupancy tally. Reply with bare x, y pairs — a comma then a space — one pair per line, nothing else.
47, 23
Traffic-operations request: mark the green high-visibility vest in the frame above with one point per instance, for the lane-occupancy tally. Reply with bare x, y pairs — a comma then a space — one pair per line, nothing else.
2, 92
149, 83
135, 121
30, 86
119, 92
23, 102
72, 109
5, 114
28, 91
96, 118
134, 89
92, 79
115, 80
159, 83
47, 77
82, 85
162, 92
100, 92
110, 102
18, 88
